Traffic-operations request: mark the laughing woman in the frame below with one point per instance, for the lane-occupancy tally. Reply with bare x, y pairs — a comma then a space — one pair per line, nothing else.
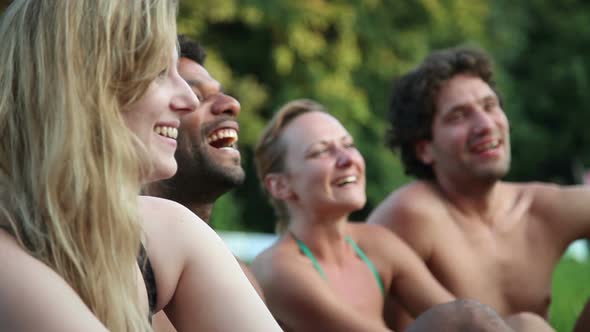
326, 273
90, 100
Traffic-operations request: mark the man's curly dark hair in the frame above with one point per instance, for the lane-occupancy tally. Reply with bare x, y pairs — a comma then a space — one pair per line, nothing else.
413, 101
192, 50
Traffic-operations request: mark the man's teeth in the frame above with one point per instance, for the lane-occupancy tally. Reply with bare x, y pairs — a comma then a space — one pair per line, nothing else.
488, 146
167, 131
346, 180
228, 133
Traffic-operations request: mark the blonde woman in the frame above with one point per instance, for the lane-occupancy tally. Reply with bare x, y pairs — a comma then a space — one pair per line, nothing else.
90, 100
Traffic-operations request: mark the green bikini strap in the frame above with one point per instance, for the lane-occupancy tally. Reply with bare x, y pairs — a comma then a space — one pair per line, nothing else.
311, 257
367, 261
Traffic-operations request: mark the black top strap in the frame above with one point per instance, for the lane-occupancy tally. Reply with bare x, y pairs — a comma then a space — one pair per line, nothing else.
148, 278
7, 228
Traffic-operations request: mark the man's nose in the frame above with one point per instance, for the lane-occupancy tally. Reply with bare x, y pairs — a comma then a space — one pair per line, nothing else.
226, 105
483, 122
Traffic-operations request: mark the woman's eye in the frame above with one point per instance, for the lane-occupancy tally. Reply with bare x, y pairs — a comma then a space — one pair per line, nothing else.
319, 152
163, 73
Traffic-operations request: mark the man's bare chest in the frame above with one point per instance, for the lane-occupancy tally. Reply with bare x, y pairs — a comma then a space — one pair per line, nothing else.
508, 268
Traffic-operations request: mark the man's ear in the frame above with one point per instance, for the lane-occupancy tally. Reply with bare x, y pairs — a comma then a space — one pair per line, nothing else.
424, 152
278, 186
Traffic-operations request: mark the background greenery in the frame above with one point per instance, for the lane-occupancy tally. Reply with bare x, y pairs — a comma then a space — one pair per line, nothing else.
570, 292
345, 55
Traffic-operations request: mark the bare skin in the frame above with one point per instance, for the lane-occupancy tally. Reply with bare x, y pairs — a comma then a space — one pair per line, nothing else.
195, 275
349, 299
189, 278
492, 241
24, 308
461, 315
216, 111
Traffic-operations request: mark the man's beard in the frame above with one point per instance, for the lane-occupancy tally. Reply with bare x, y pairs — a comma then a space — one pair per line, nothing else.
200, 179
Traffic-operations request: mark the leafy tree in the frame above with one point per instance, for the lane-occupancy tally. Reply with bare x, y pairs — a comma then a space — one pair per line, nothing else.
543, 47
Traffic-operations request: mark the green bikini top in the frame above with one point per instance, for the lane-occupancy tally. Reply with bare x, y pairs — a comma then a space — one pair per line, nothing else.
359, 253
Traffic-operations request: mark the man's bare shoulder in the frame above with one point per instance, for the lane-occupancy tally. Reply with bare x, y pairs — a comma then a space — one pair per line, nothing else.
377, 241
542, 198
415, 204
542, 193
564, 209
373, 235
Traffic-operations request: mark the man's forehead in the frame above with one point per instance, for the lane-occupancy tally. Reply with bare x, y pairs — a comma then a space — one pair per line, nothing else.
192, 72
461, 90
190, 66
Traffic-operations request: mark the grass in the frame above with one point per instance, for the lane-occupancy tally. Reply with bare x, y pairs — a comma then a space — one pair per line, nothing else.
571, 290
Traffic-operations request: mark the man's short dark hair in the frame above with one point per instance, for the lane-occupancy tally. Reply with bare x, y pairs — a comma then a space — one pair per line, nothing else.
192, 50
413, 101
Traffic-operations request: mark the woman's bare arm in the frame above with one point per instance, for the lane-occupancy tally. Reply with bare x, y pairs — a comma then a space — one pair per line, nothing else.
35, 298
198, 278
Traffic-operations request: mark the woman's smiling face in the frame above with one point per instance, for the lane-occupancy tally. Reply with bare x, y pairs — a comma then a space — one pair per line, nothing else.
323, 166
155, 119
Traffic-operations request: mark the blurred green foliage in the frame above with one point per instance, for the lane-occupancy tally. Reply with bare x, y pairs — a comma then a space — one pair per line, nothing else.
346, 53
343, 54
570, 292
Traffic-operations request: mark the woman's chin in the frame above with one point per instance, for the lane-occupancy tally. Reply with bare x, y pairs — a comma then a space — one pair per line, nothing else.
161, 171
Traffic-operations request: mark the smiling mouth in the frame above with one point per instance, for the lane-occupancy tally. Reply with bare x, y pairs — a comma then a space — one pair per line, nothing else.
223, 138
346, 180
481, 148
169, 132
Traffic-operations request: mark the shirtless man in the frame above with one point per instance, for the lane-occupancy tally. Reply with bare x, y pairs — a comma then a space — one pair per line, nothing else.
482, 238
207, 155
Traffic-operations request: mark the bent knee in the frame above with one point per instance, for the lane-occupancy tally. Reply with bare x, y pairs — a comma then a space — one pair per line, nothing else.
460, 315
528, 321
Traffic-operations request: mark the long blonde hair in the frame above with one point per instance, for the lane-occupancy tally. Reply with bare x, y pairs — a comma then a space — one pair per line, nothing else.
69, 167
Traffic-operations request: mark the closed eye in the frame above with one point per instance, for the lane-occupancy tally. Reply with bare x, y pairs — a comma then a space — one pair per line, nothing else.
490, 104
163, 73
318, 152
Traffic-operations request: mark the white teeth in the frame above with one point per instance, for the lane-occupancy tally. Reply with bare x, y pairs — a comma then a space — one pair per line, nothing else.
221, 134
170, 132
347, 180
489, 146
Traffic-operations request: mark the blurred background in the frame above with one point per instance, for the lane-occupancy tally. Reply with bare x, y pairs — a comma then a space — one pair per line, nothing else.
345, 54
